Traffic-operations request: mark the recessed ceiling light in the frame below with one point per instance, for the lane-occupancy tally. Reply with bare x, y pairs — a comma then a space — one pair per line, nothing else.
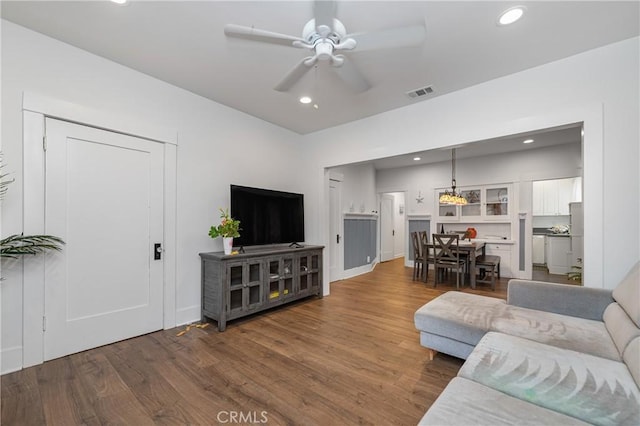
527, 141
305, 100
511, 15
417, 158
119, 1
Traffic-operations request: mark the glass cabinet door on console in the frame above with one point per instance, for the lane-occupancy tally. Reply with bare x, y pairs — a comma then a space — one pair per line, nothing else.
309, 273
245, 286
280, 278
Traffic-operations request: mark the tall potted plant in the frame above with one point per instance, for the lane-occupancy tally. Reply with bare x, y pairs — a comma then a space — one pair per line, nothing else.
228, 229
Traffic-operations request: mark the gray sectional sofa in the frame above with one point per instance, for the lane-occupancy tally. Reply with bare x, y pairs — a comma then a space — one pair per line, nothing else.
550, 354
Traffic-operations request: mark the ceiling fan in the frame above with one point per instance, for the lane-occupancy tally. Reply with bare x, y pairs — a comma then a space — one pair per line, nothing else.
325, 36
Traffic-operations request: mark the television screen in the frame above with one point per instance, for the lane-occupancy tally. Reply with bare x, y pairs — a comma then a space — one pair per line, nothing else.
267, 216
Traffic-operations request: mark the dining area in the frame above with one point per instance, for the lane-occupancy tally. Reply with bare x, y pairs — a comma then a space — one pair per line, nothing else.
453, 257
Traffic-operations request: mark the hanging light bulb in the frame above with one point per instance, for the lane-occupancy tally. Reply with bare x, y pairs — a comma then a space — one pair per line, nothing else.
453, 197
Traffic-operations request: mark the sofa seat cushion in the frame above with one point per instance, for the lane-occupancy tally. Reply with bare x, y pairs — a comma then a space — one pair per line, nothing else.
592, 389
467, 317
563, 331
464, 402
459, 316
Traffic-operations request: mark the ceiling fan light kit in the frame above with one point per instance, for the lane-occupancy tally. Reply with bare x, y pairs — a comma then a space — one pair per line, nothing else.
326, 36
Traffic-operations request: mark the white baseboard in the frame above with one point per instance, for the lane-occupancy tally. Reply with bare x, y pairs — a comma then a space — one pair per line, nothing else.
188, 315
11, 359
354, 272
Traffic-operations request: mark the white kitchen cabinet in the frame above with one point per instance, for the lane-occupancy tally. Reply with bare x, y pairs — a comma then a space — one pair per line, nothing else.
539, 249
538, 198
552, 197
565, 195
558, 254
504, 251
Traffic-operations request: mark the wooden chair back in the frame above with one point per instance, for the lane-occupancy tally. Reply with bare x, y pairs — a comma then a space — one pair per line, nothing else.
446, 248
415, 240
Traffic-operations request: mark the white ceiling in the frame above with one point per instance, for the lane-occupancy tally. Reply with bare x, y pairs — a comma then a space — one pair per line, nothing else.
541, 139
183, 43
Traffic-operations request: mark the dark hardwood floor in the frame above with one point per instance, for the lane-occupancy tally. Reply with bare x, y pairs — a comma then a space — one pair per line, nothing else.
351, 358
541, 273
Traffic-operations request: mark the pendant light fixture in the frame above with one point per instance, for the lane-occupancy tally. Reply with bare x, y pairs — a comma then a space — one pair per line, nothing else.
453, 197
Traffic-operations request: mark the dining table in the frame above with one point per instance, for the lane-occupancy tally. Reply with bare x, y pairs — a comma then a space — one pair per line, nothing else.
468, 249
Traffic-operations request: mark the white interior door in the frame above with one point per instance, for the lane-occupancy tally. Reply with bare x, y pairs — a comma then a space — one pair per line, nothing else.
386, 228
104, 197
335, 225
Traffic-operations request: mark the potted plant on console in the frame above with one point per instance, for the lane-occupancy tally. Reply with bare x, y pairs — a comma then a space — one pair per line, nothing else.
228, 229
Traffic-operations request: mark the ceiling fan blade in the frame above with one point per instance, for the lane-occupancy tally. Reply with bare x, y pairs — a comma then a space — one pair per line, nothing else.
389, 39
295, 74
250, 33
350, 74
323, 12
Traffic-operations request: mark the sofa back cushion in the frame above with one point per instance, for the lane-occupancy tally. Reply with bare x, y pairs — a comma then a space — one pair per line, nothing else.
627, 294
593, 389
620, 327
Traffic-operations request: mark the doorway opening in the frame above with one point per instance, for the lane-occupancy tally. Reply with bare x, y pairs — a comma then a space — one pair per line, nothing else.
393, 240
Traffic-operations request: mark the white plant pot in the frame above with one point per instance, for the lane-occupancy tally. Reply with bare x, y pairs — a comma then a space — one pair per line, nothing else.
227, 244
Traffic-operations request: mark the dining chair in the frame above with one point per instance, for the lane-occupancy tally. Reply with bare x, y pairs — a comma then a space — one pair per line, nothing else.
488, 266
446, 255
419, 259
428, 258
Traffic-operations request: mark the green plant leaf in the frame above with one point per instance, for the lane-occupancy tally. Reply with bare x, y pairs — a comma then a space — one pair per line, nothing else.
19, 245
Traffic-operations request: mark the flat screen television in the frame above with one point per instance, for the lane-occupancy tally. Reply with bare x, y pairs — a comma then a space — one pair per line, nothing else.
267, 216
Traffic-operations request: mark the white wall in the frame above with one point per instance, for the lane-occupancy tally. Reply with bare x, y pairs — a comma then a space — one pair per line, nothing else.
217, 146
544, 163
358, 188
599, 87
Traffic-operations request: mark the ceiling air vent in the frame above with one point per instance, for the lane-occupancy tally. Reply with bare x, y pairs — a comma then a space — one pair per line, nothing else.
418, 93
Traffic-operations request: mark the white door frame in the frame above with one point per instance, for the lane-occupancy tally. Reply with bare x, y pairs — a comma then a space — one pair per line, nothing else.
336, 248
35, 109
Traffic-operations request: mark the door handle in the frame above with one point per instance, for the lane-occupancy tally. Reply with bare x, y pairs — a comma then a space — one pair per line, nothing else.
337, 238
157, 251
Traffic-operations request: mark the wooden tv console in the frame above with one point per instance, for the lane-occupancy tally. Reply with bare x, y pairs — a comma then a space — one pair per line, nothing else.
235, 286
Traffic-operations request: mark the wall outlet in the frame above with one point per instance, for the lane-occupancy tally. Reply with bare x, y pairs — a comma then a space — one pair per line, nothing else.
368, 259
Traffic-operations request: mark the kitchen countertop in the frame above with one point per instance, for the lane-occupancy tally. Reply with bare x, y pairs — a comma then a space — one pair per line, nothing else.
548, 233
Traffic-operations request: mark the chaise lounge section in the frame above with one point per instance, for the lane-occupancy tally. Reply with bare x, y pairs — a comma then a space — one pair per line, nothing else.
549, 354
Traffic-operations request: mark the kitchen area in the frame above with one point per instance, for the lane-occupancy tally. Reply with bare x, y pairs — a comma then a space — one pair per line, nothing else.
557, 226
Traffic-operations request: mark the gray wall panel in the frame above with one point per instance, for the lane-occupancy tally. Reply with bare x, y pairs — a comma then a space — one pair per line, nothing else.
360, 236
417, 225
